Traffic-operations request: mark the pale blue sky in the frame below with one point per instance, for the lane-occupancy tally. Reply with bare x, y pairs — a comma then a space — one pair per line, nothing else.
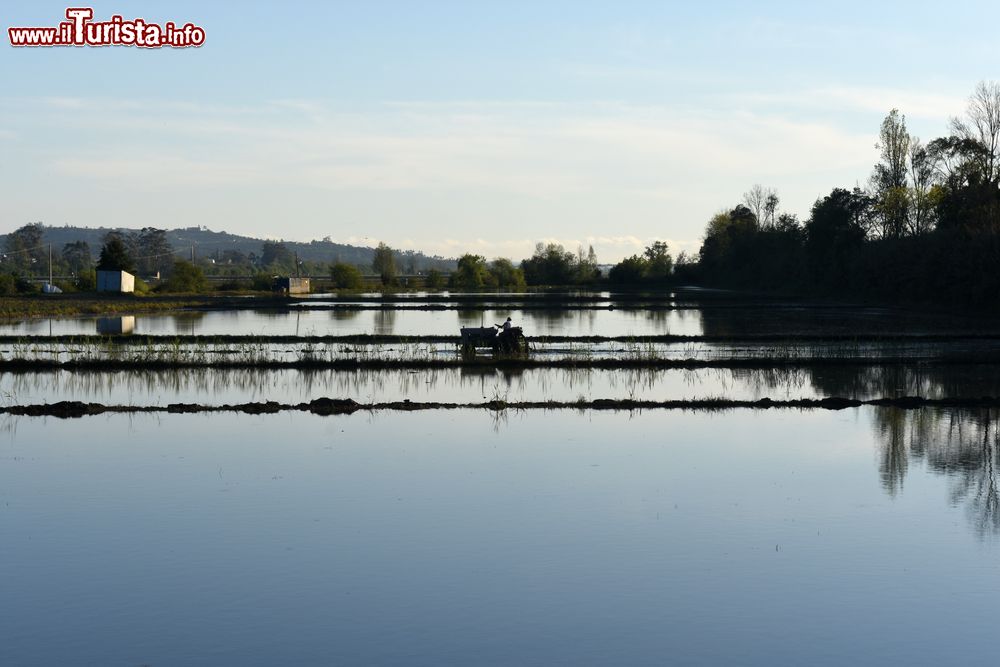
458, 126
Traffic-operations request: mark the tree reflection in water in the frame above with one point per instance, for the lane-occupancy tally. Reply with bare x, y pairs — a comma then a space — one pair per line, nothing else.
962, 444
385, 322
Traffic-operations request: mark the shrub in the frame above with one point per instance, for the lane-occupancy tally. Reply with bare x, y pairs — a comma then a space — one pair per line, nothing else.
346, 276
8, 285
185, 277
87, 280
262, 282
434, 280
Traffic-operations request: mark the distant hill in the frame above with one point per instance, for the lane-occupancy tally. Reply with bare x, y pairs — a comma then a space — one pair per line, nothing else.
207, 243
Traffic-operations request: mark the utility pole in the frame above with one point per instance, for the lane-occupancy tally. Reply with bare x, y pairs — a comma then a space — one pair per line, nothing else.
296, 264
192, 254
50, 267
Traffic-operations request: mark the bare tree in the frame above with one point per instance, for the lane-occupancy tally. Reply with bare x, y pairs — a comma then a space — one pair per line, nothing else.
982, 125
762, 202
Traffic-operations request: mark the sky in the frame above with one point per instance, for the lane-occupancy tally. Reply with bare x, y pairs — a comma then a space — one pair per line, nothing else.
485, 127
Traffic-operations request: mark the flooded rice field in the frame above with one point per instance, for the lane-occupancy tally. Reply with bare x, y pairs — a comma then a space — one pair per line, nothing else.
215, 386
587, 503
784, 537
682, 312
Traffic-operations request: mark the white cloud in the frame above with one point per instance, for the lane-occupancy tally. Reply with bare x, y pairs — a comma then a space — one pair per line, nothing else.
507, 173
917, 104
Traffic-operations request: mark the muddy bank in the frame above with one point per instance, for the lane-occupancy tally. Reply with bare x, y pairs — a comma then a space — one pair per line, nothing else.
346, 406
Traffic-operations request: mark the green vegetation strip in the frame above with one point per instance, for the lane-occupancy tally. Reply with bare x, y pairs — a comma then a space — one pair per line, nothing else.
331, 406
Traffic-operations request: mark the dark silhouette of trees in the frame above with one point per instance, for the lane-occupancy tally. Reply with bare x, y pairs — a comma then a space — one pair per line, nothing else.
834, 233
928, 227
629, 271
981, 127
551, 264
115, 255
654, 267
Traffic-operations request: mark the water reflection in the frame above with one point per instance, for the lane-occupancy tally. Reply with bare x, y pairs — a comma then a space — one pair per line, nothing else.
739, 319
116, 325
585, 537
343, 315
963, 445
385, 322
471, 317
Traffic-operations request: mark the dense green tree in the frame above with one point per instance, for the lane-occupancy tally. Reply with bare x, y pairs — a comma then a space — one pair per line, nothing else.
658, 262
384, 264
629, 271
504, 275
585, 271
276, 256
185, 277
551, 264
471, 272
346, 276
890, 177
153, 252
115, 256
653, 267
8, 284
924, 190
86, 281
434, 279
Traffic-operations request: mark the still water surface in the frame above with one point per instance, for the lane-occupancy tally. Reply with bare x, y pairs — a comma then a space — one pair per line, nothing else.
628, 319
863, 537
472, 385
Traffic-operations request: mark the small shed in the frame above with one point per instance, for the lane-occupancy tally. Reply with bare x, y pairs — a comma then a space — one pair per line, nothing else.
115, 281
291, 285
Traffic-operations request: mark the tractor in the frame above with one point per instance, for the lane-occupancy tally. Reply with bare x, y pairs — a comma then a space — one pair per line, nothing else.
507, 343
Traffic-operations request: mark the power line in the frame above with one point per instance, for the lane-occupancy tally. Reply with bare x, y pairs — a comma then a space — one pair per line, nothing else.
15, 252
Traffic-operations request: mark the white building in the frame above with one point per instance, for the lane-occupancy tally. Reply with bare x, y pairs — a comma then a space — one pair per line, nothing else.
115, 281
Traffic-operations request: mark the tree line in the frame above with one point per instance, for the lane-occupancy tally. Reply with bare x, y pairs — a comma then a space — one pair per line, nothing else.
926, 227
551, 265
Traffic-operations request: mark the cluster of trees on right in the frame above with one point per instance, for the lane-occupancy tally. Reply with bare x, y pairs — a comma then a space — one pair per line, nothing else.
927, 226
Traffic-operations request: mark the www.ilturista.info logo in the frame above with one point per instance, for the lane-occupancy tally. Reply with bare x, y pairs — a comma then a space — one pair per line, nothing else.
81, 30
